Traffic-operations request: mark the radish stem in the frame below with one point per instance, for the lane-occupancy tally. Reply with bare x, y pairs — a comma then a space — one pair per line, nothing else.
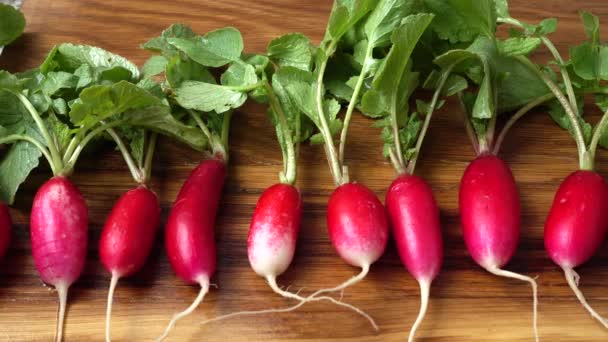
62, 291
572, 277
52, 146
135, 171
467, 125
585, 163
427, 119
113, 283
353, 101
334, 163
41, 148
508, 274
147, 170
289, 171
425, 287
204, 283
599, 130
521, 112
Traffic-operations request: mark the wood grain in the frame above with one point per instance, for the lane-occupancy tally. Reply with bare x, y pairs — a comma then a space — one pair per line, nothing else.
467, 304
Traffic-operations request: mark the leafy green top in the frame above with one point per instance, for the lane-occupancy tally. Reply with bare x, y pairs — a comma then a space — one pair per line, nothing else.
191, 64
78, 93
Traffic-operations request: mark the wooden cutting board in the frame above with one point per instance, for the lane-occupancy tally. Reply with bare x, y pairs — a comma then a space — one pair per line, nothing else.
467, 304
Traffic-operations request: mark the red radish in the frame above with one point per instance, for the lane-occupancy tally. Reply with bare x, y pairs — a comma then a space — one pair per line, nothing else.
358, 229
577, 225
127, 237
414, 218
189, 236
5, 229
490, 217
273, 232
59, 237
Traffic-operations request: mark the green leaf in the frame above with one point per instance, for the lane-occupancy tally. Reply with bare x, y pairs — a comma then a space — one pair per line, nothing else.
16, 166
518, 86
592, 26
546, 27
293, 49
208, 97
12, 24
215, 49
239, 75
344, 15
161, 45
14, 117
159, 119
391, 73
383, 20
463, 20
154, 66
590, 62
280, 80
518, 46
55, 81
180, 70
502, 8
101, 102
9, 81
70, 57
601, 101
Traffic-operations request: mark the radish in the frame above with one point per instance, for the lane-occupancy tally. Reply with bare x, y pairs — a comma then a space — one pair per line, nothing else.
411, 207
414, 218
490, 217
5, 229
189, 236
128, 235
59, 224
577, 225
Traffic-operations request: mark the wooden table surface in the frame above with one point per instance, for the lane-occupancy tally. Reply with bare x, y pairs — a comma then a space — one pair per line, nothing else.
467, 304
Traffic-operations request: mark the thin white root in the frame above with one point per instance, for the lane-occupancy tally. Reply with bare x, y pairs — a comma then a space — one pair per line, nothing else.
302, 300
349, 282
508, 274
113, 283
62, 291
572, 277
273, 285
204, 283
425, 287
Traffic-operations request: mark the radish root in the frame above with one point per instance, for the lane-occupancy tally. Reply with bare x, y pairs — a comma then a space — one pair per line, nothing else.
273, 284
204, 283
113, 283
508, 274
62, 291
350, 282
572, 277
302, 300
425, 287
